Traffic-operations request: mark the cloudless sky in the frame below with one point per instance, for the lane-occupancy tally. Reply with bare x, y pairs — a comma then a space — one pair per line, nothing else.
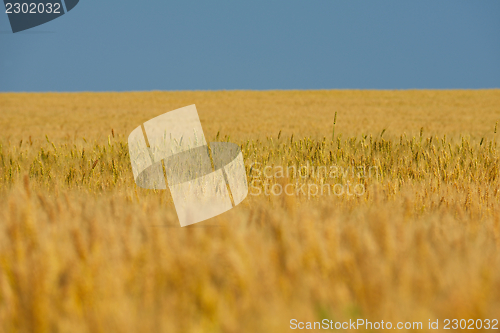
281, 44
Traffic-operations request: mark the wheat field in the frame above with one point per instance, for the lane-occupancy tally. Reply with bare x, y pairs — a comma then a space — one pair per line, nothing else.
82, 249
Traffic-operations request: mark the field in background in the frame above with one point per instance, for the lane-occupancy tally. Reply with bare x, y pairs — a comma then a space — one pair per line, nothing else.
83, 250
254, 115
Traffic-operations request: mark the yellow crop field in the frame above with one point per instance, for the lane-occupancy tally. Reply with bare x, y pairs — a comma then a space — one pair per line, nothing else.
363, 205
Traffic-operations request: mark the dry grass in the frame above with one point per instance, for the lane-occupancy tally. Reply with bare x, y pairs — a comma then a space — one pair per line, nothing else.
83, 250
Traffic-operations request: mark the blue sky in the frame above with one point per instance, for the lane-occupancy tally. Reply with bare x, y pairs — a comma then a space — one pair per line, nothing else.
283, 44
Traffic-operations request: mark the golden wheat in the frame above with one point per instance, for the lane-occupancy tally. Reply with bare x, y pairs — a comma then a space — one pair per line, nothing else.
83, 250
